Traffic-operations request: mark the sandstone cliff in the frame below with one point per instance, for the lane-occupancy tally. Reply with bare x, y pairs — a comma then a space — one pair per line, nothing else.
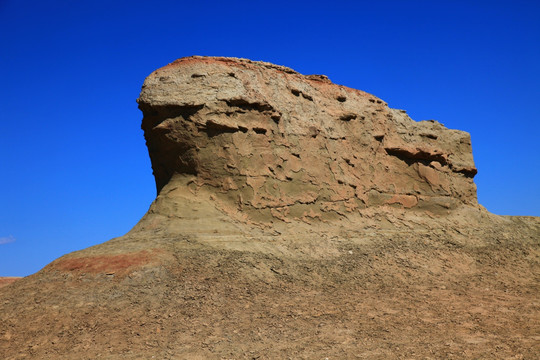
295, 218
273, 141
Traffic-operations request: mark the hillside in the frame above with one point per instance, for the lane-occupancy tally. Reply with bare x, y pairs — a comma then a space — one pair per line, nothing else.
295, 218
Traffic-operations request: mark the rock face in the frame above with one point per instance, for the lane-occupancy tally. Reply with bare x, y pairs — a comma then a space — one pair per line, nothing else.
283, 146
295, 218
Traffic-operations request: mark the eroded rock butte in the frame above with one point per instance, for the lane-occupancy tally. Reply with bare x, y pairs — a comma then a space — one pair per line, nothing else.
283, 146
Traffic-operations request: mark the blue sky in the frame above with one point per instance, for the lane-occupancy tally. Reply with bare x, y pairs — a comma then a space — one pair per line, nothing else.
74, 166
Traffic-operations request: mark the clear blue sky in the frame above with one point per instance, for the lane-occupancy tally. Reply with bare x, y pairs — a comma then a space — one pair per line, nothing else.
74, 167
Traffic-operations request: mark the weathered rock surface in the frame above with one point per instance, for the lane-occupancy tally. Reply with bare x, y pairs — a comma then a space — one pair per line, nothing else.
283, 146
295, 218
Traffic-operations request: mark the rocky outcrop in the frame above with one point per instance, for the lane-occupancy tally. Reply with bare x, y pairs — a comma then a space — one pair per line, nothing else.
282, 146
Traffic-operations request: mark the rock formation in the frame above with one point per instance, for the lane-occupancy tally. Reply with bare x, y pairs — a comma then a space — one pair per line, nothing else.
281, 145
295, 218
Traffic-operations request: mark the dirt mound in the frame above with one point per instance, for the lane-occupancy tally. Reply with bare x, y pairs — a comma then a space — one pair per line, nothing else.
295, 218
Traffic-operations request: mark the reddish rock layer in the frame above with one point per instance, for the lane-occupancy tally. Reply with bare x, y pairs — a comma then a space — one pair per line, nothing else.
7, 280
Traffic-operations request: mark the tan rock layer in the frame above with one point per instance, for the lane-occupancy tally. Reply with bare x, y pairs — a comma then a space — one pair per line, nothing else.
279, 144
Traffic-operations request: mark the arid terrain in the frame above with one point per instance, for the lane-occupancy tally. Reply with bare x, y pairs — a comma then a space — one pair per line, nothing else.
7, 280
295, 219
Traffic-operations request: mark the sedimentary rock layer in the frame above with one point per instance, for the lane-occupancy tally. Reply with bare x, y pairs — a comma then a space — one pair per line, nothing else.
281, 145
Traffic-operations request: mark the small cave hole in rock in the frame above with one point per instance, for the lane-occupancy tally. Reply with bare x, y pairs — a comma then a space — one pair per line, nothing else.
295, 92
260, 131
430, 136
348, 117
313, 131
246, 105
420, 156
197, 75
379, 137
470, 173
341, 98
154, 115
213, 128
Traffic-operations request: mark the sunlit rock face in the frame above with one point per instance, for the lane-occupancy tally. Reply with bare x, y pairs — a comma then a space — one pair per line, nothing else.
281, 146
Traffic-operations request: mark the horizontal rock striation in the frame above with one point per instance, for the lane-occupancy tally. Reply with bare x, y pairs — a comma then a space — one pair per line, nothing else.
278, 144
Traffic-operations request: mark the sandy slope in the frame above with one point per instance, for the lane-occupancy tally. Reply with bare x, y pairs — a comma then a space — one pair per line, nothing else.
7, 280
374, 294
